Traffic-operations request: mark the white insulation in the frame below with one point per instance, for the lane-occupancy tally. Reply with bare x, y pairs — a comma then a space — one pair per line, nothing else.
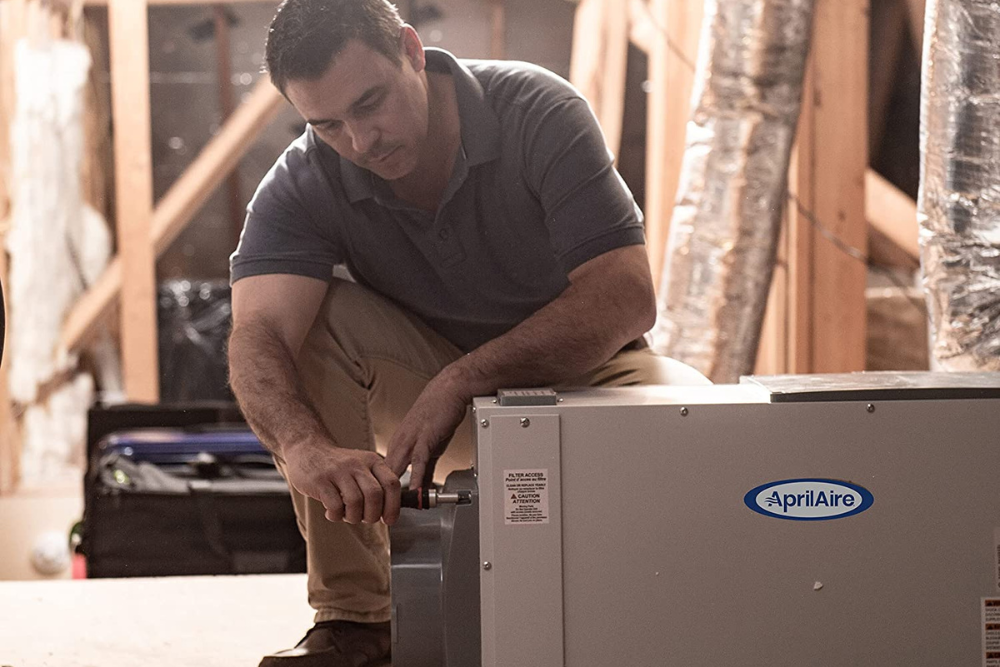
57, 247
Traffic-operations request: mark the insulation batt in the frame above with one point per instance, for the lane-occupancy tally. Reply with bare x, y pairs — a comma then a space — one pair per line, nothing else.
959, 202
57, 244
726, 222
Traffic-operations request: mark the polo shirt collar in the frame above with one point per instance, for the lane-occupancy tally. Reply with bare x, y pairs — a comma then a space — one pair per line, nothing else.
479, 126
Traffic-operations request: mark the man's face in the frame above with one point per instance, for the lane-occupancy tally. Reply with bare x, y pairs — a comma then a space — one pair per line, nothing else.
370, 110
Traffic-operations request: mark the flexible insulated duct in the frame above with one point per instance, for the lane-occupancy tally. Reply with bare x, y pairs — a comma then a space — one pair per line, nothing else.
959, 202
725, 225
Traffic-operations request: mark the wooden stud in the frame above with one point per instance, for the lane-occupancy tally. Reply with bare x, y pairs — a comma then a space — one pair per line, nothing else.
671, 75
179, 205
892, 212
827, 282
599, 62
641, 29
585, 59
12, 27
128, 30
772, 352
498, 29
98, 161
817, 317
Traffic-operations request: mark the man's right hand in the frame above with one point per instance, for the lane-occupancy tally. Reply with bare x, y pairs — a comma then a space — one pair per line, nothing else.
353, 485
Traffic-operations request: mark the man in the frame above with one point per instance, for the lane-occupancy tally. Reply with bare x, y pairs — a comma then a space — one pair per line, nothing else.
492, 244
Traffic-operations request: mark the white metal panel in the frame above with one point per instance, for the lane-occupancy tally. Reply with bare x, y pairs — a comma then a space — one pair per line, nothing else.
522, 594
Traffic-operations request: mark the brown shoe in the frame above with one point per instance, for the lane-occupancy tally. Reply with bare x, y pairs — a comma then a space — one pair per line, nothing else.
338, 644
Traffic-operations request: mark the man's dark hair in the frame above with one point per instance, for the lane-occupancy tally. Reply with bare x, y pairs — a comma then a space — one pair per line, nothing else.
306, 35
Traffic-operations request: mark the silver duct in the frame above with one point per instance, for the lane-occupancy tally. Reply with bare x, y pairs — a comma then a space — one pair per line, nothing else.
959, 202
725, 225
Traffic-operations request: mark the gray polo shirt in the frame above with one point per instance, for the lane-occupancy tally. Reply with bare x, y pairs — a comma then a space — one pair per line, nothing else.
533, 195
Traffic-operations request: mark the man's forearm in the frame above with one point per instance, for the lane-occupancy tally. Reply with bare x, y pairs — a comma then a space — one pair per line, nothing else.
575, 333
266, 384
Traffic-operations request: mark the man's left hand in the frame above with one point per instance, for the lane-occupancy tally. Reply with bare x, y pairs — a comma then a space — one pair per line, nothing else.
425, 431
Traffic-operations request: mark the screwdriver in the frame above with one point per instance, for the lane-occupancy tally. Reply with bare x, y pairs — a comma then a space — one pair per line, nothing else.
429, 498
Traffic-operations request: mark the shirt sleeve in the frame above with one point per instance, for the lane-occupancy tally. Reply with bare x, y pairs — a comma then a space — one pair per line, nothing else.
281, 233
588, 208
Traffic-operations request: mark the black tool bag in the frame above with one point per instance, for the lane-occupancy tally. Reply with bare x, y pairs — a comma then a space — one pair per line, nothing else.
181, 502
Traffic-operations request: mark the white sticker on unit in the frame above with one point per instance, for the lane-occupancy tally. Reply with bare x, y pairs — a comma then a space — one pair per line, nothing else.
526, 496
991, 632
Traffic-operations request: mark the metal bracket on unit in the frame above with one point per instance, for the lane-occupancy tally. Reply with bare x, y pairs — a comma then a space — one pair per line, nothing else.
522, 397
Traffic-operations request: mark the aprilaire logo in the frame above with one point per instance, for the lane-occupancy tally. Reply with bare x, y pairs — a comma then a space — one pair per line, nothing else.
809, 499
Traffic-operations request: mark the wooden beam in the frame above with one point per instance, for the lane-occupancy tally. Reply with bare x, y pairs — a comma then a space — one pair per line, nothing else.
128, 30
672, 59
12, 27
641, 29
12, 19
772, 352
826, 290
598, 65
892, 213
884, 252
179, 205
588, 41
615, 71
498, 29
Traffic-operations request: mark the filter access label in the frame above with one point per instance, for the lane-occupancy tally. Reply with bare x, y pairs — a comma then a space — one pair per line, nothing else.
526, 496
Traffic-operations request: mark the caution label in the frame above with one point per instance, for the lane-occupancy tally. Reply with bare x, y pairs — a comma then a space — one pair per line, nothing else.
991, 632
527, 496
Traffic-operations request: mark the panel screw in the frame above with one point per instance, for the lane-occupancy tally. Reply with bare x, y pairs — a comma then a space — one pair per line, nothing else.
560, 400
870, 408
525, 422
485, 423
473, 409
684, 412
494, 400
487, 566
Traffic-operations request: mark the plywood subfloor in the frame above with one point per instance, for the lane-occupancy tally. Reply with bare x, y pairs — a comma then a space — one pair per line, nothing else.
164, 622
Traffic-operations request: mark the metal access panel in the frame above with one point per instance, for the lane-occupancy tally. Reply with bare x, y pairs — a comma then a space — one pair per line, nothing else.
677, 526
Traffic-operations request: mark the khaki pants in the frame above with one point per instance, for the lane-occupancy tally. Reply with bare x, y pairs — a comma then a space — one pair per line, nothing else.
363, 365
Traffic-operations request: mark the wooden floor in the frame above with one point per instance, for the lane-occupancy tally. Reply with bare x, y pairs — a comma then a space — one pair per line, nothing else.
165, 622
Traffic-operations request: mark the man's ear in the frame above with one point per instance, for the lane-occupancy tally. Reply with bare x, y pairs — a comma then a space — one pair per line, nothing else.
411, 48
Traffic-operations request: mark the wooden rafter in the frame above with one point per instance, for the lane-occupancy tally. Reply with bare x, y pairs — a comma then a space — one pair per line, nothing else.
675, 35
178, 206
892, 214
